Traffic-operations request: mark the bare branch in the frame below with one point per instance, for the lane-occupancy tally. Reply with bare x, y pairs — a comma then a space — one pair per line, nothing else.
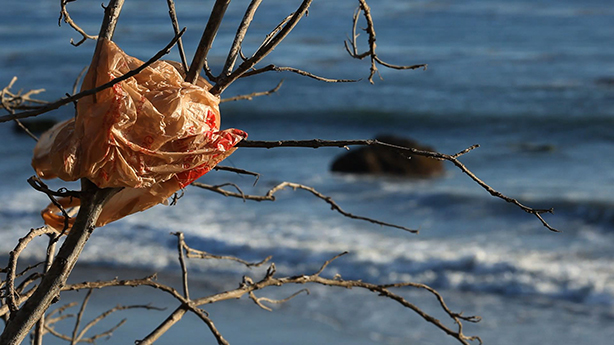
259, 300
233, 53
329, 261
25, 129
317, 143
382, 290
199, 254
4, 309
173, 14
297, 71
39, 329
60, 310
109, 21
238, 171
75, 335
79, 336
92, 201
64, 15
467, 150
10, 101
184, 269
27, 281
109, 332
252, 95
270, 197
40, 186
75, 85
370, 29
148, 281
263, 51
213, 25
11, 297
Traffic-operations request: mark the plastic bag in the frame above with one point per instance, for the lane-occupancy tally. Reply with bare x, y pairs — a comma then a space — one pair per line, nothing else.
152, 134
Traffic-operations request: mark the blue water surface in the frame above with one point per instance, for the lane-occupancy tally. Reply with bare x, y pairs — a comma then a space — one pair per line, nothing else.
532, 82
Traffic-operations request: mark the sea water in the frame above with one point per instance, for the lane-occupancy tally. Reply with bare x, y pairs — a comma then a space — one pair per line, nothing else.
530, 81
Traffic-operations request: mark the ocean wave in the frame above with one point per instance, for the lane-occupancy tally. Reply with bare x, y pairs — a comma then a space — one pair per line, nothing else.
576, 266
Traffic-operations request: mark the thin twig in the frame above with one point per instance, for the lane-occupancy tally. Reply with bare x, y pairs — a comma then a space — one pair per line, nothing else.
259, 300
370, 29
11, 297
25, 129
148, 281
75, 85
297, 71
252, 95
317, 143
382, 290
64, 15
80, 336
40, 186
109, 332
233, 53
271, 197
238, 171
263, 51
184, 269
199, 254
11, 101
39, 330
75, 332
92, 201
173, 14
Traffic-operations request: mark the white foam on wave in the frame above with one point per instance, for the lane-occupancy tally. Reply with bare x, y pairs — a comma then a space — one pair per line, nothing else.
491, 261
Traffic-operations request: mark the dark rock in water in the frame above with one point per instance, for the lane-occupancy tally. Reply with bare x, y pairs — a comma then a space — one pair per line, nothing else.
605, 81
383, 161
37, 126
534, 148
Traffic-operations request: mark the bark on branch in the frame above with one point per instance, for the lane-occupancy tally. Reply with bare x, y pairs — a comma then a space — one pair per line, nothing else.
317, 143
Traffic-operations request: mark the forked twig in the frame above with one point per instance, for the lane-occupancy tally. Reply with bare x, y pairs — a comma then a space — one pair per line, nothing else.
251, 96
317, 143
271, 197
222, 82
184, 269
200, 254
12, 299
238, 171
259, 300
78, 335
370, 29
64, 15
235, 49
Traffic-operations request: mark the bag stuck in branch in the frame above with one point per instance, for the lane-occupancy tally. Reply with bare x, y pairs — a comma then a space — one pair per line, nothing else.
151, 134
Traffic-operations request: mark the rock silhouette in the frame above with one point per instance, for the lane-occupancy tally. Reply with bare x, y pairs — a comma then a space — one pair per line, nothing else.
382, 161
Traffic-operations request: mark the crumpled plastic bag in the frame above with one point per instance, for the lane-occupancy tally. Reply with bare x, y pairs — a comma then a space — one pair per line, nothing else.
152, 134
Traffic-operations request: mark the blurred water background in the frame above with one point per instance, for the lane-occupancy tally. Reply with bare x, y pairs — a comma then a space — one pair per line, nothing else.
531, 81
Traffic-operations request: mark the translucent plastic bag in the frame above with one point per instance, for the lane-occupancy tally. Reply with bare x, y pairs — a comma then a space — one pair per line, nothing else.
152, 134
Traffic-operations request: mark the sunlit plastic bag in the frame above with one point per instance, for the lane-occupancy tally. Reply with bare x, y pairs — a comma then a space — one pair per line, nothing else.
152, 134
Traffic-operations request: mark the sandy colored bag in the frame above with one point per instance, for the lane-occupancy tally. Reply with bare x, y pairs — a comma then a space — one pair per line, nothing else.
152, 134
